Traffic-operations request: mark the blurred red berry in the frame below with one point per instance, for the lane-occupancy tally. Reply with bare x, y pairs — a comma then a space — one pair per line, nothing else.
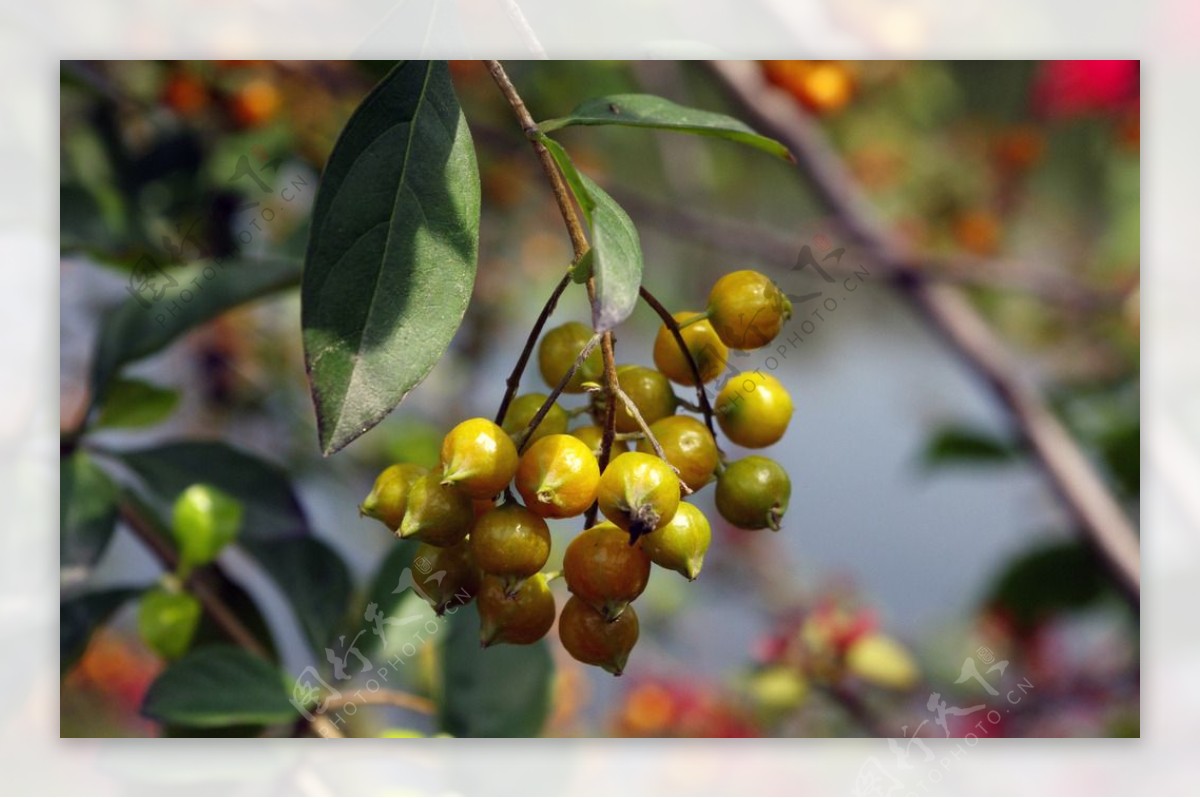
1065, 89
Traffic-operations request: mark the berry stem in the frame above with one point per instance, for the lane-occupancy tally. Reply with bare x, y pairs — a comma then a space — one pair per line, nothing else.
676, 330
514, 378
562, 196
658, 449
699, 317
523, 438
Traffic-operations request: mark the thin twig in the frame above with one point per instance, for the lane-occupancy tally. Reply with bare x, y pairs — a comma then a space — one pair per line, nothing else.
632, 409
579, 244
1098, 515
146, 531
527, 433
677, 333
514, 378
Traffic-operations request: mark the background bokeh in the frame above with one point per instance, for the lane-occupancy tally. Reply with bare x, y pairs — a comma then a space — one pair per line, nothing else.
35, 37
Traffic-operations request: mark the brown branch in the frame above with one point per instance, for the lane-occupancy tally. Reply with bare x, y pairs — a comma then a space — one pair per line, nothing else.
523, 439
579, 244
514, 378
146, 531
1081, 489
677, 333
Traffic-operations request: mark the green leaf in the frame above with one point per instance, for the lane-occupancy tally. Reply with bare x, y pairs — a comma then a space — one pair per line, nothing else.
219, 686
954, 444
315, 581
133, 403
87, 514
392, 256
502, 691
80, 616
647, 110
271, 508
389, 576
204, 520
1051, 579
142, 325
616, 262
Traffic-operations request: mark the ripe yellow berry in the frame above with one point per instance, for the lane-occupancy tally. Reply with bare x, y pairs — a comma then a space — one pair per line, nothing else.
603, 569
650, 392
639, 493
688, 446
440, 515
753, 409
388, 498
479, 458
560, 349
680, 545
518, 618
524, 408
510, 542
557, 476
747, 309
705, 346
590, 638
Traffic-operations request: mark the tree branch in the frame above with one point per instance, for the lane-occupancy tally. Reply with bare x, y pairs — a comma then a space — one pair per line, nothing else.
677, 333
514, 378
146, 531
579, 244
947, 311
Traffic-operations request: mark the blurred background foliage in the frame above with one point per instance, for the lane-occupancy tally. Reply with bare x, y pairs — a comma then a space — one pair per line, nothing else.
920, 536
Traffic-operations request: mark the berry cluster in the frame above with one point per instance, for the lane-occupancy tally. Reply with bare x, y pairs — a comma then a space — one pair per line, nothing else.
478, 541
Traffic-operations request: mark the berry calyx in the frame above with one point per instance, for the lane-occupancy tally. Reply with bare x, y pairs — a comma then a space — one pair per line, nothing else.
639, 493
603, 569
510, 542
479, 458
524, 408
747, 309
754, 409
167, 620
680, 545
706, 348
753, 493
519, 618
558, 351
650, 392
557, 476
445, 576
593, 436
590, 638
388, 498
688, 446
440, 515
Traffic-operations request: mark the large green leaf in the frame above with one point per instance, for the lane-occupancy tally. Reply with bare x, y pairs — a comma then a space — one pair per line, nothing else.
392, 255
219, 686
315, 580
134, 403
647, 110
272, 510
502, 691
616, 259
142, 324
382, 592
79, 616
87, 514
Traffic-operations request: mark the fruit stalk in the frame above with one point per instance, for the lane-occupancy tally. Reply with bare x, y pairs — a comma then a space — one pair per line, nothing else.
587, 350
676, 330
579, 244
